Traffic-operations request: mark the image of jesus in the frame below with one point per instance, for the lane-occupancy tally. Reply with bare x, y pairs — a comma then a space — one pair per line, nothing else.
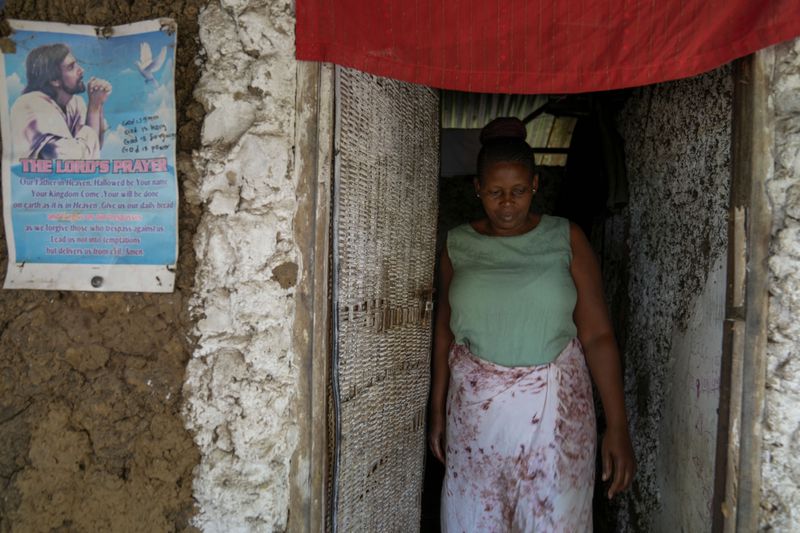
50, 120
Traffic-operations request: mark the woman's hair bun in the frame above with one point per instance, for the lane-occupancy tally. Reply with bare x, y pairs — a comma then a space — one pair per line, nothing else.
503, 141
504, 128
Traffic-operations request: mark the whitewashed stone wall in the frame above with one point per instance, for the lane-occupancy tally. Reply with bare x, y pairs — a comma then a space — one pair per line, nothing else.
781, 450
241, 380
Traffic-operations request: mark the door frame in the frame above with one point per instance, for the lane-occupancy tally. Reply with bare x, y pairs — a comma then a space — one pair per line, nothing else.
313, 174
737, 485
737, 480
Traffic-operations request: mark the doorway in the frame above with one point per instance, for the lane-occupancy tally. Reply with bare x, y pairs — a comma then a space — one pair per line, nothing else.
580, 163
637, 248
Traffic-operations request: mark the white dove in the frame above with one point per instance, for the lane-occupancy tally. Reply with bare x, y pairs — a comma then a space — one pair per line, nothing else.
147, 67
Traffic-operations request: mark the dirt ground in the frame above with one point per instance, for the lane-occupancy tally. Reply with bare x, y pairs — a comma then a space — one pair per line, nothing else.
91, 437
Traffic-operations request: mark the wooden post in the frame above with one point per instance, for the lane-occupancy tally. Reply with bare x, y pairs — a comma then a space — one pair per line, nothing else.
737, 488
314, 155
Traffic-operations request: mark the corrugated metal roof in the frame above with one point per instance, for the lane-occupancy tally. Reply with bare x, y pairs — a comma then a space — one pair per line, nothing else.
475, 110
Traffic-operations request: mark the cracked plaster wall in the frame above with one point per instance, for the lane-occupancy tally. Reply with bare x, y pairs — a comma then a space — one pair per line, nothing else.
91, 434
241, 381
781, 441
672, 237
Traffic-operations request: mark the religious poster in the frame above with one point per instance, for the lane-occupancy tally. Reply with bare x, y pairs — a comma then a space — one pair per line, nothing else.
90, 192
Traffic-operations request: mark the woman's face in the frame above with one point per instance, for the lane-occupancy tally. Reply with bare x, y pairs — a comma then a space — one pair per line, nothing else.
506, 192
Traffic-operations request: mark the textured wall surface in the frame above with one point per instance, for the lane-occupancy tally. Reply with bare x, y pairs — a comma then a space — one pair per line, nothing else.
241, 381
677, 141
781, 467
688, 432
91, 435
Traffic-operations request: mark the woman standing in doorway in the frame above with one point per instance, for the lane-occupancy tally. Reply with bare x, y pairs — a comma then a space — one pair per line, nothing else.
512, 413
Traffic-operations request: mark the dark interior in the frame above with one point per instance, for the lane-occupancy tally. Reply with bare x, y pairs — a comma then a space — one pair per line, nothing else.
581, 178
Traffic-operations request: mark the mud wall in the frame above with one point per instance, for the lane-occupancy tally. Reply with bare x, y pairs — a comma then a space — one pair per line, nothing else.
91, 434
242, 380
781, 446
672, 237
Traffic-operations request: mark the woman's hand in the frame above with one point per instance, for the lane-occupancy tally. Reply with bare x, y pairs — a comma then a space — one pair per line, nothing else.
436, 435
618, 460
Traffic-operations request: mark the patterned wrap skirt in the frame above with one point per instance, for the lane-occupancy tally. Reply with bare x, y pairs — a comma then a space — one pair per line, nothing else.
520, 445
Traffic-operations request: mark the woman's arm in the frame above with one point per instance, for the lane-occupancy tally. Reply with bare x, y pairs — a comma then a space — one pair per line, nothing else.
442, 338
602, 357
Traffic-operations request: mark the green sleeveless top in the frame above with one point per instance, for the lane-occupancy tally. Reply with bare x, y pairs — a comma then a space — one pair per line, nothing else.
512, 298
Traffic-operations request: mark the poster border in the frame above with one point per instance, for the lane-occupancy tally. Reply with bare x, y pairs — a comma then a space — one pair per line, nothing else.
71, 277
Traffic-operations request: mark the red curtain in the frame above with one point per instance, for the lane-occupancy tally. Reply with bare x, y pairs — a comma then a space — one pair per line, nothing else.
539, 46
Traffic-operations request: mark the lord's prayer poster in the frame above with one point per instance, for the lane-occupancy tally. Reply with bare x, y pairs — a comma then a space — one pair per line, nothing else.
90, 193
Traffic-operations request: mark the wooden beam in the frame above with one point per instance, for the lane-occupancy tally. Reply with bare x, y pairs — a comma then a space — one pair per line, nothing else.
737, 487
314, 149
536, 112
758, 222
551, 150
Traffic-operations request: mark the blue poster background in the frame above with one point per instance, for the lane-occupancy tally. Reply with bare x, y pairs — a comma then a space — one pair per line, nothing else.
121, 212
